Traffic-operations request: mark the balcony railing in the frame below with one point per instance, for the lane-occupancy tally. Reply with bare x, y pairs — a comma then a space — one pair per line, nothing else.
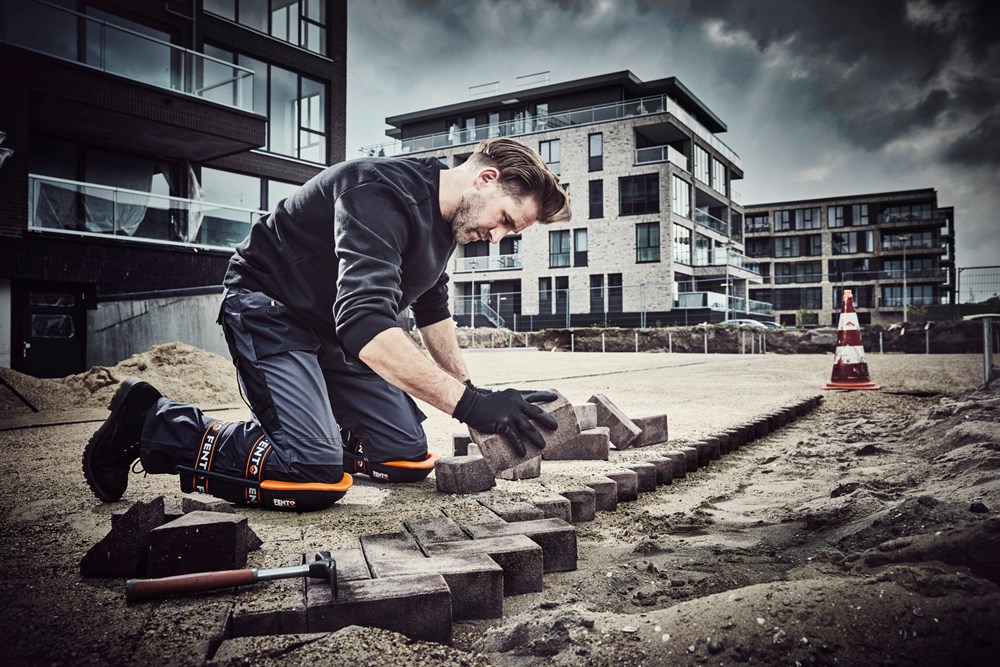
488, 263
919, 300
85, 40
475, 307
736, 261
88, 209
919, 244
735, 196
654, 154
703, 218
457, 136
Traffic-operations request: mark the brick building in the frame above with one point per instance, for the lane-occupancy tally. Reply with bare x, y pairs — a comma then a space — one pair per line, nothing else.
656, 235
146, 137
895, 250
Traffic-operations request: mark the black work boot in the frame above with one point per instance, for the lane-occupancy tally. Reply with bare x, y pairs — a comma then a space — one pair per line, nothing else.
115, 447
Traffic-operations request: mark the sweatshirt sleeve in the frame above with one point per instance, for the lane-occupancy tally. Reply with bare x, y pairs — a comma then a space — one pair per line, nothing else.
371, 228
432, 306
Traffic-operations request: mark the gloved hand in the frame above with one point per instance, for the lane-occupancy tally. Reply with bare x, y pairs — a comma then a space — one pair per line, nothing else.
508, 412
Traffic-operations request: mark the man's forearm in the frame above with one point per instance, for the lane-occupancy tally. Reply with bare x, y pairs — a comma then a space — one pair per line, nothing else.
439, 339
393, 355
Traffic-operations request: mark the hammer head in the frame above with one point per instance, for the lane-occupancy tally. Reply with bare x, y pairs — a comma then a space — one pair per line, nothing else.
325, 567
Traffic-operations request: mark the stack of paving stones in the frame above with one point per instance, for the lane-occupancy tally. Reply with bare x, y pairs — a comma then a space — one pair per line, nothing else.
157, 540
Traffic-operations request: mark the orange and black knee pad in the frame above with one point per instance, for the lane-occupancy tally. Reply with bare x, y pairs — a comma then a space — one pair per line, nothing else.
252, 489
390, 472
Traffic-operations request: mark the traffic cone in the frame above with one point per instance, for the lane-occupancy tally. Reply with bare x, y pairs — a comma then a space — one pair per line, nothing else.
850, 370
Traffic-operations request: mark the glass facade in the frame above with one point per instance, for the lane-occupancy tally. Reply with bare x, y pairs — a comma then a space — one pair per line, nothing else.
682, 245
298, 22
681, 200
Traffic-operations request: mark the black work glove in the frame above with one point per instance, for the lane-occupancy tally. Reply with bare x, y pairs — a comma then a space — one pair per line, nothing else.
508, 412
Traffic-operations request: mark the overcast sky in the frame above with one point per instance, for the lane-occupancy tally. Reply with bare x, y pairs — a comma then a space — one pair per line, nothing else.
822, 97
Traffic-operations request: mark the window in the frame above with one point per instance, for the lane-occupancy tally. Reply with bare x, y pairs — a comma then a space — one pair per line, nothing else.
295, 107
614, 292
562, 294
758, 222
681, 204
849, 269
798, 246
782, 221
702, 250
597, 294
549, 150
596, 199
834, 216
864, 297
639, 194
298, 22
701, 166
579, 247
682, 245
718, 176
595, 152
859, 214
798, 272
846, 243
807, 218
545, 296
494, 130
279, 190
913, 240
559, 249
647, 242
792, 299
921, 211
759, 248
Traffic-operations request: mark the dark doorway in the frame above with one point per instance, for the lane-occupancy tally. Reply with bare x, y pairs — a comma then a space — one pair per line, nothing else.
49, 329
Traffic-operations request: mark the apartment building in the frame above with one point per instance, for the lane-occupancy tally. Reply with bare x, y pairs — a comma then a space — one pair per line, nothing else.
657, 229
895, 250
145, 139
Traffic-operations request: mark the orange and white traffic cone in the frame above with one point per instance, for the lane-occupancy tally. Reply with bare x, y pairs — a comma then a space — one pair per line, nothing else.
850, 370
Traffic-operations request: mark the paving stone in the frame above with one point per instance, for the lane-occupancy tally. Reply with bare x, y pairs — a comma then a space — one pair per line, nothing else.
429, 531
591, 445
736, 437
623, 430
351, 563
122, 552
664, 469
513, 511
582, 502
724, 446
520, 558
500, 454
460, 444
645, 476
198, 542
553, 506
715, 447
556, 538
383, 546
473, 511
475, 580
463, 474
530, 469
654, 430
586, 416
692, 457
627, 482
679, 460
202, 502
704, 450
418, 606
605, 494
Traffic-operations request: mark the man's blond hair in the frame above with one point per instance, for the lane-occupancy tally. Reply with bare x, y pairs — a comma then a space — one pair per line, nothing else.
523, 173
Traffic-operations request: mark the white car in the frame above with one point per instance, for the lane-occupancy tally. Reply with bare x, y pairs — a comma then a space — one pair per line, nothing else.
745, 323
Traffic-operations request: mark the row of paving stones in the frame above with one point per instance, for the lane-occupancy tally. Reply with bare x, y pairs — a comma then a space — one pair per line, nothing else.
460, 565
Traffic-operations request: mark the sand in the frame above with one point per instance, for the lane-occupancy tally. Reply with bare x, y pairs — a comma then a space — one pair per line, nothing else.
866, 533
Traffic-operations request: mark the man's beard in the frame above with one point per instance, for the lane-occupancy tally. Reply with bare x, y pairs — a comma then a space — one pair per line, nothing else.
466, 217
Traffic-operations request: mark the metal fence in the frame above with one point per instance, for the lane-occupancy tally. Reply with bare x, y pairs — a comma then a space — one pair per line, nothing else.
976, 284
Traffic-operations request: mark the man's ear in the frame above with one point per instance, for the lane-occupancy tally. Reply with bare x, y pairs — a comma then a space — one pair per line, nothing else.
487, 176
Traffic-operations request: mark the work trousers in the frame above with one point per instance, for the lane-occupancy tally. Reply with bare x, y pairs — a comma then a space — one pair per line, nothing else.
308, 397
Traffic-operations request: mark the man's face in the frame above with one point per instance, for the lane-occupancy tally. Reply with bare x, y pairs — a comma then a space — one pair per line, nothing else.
489, 214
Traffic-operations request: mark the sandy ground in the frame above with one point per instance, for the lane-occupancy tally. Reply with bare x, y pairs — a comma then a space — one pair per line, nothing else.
866, 533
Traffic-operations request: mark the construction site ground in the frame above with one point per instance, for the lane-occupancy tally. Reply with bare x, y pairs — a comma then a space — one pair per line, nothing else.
864, 533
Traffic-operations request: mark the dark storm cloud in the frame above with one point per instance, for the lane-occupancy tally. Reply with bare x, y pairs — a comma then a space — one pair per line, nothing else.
980, 146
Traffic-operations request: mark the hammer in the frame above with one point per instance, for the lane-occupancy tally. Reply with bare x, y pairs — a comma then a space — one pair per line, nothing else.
324, 567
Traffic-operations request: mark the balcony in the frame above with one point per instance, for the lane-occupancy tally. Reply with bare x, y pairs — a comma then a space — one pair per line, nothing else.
717, 301
60, 206
654, 154
88, 41
891, 244
487, 263
703, 218
647, 106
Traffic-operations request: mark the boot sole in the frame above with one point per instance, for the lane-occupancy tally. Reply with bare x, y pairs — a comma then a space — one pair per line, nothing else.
116, 404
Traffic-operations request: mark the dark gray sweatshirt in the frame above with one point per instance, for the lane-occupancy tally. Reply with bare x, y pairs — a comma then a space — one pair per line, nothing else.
352, 248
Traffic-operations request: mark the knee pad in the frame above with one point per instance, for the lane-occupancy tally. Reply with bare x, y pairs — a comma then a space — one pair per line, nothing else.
252, 489
390, 472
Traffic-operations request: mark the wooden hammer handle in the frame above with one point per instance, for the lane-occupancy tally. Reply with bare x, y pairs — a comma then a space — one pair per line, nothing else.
145, 589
